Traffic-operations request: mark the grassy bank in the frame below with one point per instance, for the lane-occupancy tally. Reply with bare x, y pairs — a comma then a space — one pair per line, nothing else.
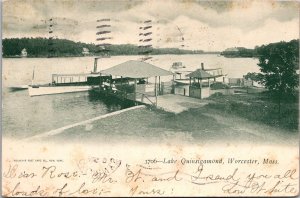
258, 107
225, 119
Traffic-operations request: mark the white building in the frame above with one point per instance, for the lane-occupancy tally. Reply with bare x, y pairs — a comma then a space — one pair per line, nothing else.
85, 51
24, 53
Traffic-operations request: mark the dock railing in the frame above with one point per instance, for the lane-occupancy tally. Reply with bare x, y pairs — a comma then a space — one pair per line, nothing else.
144, 95
126, 91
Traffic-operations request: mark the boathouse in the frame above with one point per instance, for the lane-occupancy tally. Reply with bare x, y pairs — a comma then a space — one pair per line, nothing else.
131, 81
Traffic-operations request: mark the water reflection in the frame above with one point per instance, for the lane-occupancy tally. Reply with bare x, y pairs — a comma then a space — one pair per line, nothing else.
112, 103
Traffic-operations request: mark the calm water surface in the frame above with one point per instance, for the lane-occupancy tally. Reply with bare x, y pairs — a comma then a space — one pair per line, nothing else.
24, 116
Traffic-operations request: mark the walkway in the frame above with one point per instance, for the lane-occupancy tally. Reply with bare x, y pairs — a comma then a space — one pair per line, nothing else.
176, 103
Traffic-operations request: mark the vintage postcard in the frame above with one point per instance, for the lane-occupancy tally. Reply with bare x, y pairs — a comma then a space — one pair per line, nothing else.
139, 98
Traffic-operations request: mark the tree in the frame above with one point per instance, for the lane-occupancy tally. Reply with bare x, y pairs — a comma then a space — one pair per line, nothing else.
258, 77
278, 63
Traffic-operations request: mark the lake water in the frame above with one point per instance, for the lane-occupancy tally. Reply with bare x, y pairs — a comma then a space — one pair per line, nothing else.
24, 116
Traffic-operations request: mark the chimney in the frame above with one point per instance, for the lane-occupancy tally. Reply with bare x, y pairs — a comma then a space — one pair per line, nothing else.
202, 66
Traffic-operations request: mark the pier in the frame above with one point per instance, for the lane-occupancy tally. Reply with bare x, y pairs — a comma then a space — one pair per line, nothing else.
130, 83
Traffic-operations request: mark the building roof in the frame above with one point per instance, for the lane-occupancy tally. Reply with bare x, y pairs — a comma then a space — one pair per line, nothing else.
136, 69
201, 74
211, 69
232, 49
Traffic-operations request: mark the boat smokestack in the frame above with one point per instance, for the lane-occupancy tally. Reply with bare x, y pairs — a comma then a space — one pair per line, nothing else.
202, 66
95, 65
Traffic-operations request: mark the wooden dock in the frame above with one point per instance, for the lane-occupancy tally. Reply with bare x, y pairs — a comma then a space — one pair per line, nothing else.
137, 89
169, 102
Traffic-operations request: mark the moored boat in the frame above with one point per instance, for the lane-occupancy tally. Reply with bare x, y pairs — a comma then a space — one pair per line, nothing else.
68, 83
47, 90
182, 79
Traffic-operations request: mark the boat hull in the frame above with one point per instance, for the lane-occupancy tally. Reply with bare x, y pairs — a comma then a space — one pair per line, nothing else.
182, 81
39, 91
18, 88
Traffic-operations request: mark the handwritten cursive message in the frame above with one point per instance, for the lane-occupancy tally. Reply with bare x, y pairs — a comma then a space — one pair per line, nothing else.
109, 176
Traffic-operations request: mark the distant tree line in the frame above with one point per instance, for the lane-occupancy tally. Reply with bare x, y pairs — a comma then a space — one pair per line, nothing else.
240, 52
41, 47
44, 47
243, 52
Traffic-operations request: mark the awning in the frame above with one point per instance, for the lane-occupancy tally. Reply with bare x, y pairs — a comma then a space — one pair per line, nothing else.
136, 69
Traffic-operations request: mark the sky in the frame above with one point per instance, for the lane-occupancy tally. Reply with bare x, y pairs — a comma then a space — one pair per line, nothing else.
186, 24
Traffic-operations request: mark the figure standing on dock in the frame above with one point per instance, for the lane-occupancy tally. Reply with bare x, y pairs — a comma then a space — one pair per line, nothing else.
113, 87
106, 85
